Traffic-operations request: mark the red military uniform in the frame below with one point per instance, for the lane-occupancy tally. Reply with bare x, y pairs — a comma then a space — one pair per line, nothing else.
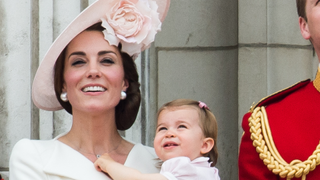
293, 115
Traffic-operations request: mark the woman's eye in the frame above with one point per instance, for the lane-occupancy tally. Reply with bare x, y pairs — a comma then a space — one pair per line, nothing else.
107, 61
78, 62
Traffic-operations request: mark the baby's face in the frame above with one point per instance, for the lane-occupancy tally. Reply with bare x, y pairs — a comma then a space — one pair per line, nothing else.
178, 133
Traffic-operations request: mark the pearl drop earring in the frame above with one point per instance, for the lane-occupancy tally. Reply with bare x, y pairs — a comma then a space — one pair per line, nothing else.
123, 95
64, 97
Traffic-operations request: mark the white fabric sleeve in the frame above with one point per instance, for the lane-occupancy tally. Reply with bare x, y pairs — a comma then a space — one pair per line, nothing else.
25, 162
178, 168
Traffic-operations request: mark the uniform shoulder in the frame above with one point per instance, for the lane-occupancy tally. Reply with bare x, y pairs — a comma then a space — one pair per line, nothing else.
281, 94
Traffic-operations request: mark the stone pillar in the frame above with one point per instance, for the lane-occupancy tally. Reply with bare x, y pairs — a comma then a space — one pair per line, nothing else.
196, 57
15, 81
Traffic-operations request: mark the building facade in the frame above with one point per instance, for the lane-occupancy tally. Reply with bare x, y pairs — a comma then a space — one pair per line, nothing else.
226, 53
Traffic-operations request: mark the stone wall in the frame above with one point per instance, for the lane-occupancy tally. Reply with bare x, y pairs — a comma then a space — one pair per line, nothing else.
226, 53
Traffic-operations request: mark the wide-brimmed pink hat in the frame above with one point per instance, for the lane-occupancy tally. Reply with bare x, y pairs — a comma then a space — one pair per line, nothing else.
133, 23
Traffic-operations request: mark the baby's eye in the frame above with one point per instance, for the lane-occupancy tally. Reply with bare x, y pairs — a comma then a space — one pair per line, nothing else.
182, 126
162, 128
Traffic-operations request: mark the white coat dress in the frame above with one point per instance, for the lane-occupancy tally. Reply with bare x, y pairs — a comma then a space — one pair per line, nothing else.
54, 160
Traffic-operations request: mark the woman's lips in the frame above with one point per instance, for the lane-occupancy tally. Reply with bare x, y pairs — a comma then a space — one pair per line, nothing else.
94, 89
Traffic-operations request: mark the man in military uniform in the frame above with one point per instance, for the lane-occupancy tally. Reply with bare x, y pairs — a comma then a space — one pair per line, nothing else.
282, 132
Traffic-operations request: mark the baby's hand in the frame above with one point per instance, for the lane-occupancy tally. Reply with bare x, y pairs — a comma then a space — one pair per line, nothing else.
102, 162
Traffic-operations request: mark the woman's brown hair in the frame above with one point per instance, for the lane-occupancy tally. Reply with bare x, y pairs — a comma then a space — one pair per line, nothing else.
127, 109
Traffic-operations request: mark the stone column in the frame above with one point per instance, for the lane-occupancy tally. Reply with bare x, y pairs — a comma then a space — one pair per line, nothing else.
196, 57
15, 81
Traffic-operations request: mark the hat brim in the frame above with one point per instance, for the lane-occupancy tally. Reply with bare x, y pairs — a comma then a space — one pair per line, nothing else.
43, 94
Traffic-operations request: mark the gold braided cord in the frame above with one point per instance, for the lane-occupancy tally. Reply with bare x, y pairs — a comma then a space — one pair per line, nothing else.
316, 82
268, 153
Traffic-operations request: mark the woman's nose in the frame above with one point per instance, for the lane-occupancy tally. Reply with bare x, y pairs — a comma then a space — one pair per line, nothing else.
93, 70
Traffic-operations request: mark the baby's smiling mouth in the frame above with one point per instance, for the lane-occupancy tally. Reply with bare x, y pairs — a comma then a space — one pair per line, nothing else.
170, 144
94, 89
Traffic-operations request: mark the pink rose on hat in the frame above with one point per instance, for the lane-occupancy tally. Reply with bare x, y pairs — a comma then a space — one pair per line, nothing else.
133, 23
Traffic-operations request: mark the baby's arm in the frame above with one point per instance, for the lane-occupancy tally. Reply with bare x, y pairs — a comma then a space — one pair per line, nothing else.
118, 171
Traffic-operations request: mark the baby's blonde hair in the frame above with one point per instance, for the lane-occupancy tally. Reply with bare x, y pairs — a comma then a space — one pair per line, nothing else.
208, 123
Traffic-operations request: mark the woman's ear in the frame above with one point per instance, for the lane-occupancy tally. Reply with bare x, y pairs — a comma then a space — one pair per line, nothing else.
125, 85
304, 28
207, 145
64, 89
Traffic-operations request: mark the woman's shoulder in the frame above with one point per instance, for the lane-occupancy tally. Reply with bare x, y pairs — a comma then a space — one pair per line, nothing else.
147, 149
143, 158
28, 144
29, 156
27, 148
142, 151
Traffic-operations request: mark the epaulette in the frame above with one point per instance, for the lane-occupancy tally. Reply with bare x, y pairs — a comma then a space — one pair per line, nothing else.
280, 94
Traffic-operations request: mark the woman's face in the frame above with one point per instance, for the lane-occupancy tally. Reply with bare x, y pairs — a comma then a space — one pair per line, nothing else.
94, 75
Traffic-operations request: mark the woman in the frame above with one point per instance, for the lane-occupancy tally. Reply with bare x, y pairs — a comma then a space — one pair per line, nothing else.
90, 72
